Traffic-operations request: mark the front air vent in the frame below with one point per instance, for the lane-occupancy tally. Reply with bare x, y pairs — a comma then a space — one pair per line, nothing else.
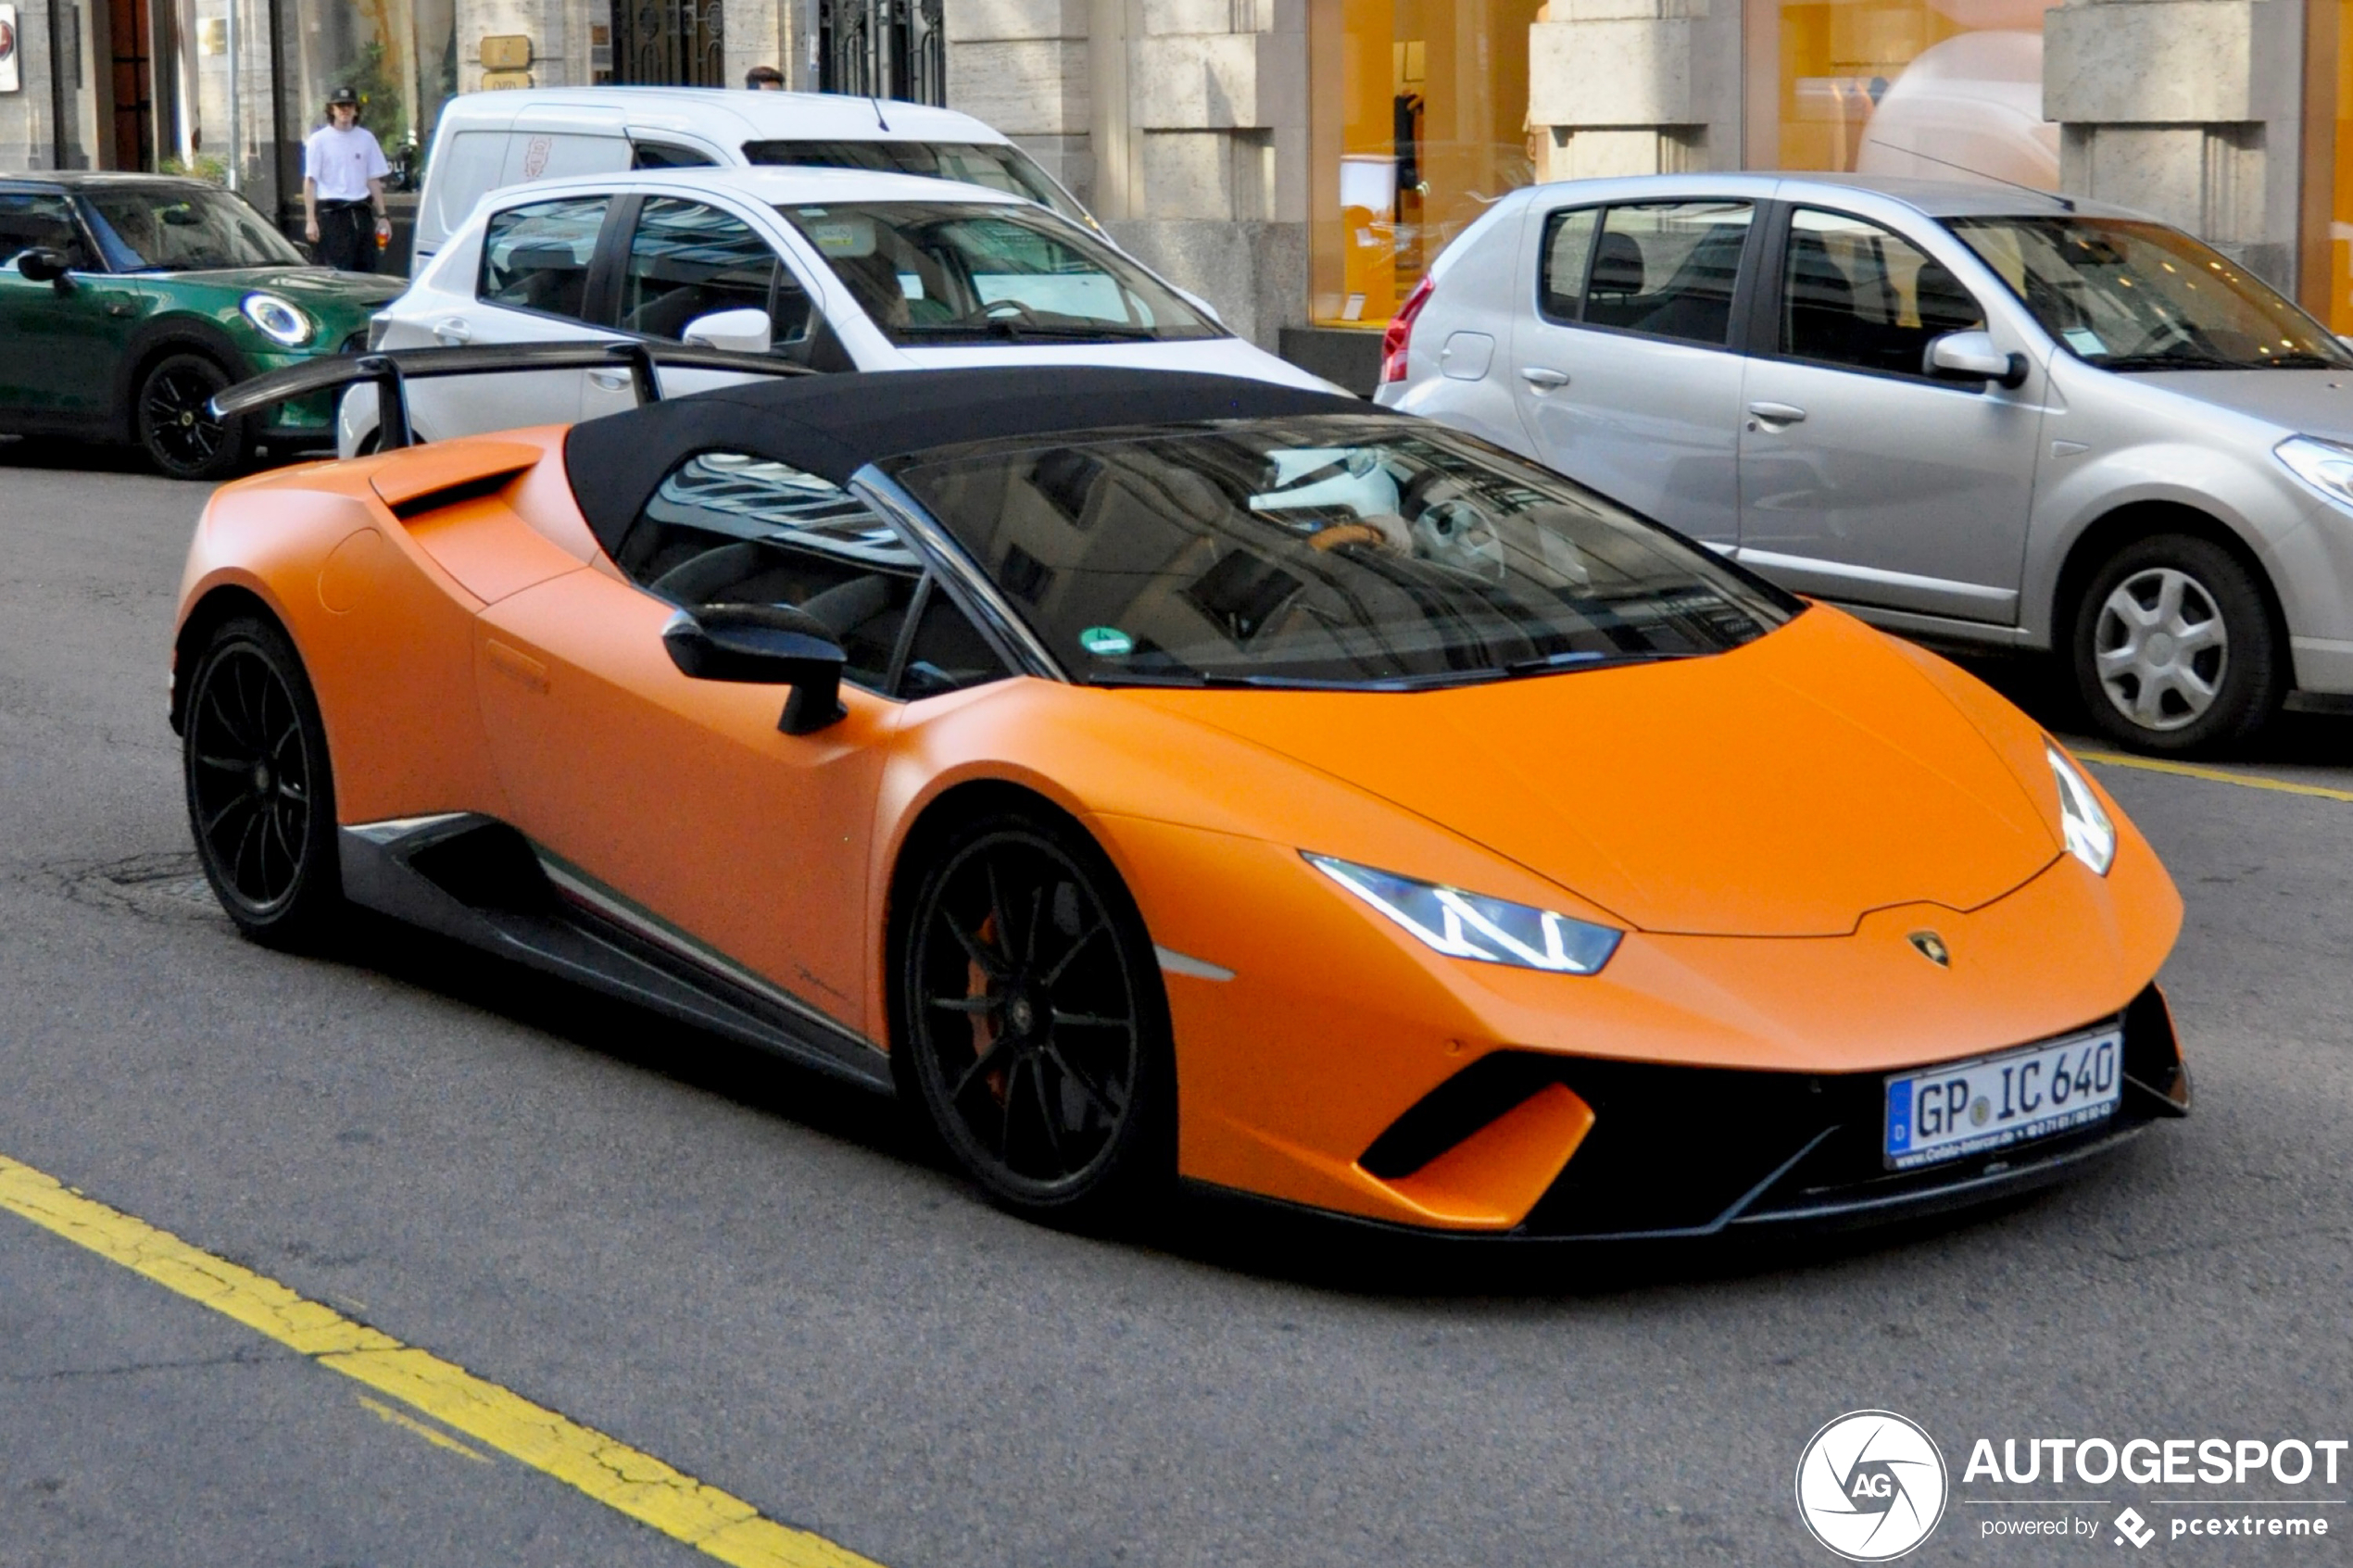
1447, 1115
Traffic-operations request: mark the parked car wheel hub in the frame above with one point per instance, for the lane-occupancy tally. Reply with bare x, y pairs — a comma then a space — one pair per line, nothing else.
2162, 648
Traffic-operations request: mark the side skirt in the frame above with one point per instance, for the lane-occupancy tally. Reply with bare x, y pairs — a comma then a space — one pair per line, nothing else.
481, 882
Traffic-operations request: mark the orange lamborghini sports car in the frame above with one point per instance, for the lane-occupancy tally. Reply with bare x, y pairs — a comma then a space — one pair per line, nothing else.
1160, 777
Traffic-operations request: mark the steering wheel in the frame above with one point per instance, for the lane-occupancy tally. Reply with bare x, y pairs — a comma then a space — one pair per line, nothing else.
1450, 528
1001, 310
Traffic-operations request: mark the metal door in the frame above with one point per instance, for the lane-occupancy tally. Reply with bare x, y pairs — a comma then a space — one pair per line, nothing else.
883, 49
669, 43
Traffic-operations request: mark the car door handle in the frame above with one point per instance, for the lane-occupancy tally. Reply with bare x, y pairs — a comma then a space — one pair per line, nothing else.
611, 380
453, 331
1777, 413
1542, 378
120, 308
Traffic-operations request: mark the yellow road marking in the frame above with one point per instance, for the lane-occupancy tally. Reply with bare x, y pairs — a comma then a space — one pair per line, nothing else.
2215, 775
615, 1473
411, 1424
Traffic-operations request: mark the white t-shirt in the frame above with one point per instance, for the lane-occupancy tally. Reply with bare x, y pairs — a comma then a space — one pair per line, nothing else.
343, 162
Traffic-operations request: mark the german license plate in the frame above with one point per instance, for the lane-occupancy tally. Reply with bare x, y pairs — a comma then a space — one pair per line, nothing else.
1968, 1107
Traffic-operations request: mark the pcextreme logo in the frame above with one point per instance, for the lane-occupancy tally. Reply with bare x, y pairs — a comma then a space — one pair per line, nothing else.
1872, 1485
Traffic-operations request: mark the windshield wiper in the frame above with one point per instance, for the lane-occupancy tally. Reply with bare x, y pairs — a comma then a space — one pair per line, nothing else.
1544, 664
2178, 362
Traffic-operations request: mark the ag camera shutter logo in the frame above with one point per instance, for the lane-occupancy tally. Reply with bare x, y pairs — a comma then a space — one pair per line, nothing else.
1872, 1485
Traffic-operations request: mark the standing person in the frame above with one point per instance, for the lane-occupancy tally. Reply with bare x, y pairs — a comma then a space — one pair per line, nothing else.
764, 78
342, 177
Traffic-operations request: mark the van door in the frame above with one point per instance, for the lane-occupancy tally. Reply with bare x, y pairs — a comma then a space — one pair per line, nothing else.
1623, 363
466, 166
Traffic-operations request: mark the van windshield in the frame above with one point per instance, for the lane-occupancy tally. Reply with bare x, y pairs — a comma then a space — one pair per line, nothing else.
2127, 295
999, 166
954, 274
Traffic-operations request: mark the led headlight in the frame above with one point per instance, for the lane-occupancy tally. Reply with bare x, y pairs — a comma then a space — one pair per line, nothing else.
278, 320
2091, 837
1470, 925
2326, 466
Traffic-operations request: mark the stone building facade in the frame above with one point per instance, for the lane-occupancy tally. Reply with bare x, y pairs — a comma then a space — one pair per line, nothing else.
1220, 139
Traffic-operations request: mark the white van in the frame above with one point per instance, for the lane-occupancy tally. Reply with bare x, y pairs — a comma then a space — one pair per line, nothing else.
484, 141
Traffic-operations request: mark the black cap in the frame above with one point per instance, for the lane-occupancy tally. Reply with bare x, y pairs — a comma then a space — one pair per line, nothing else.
342, 96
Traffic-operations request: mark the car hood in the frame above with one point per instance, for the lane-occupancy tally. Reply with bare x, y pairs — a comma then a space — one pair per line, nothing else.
2309, 402
307, 285
1784, 789
1217, 356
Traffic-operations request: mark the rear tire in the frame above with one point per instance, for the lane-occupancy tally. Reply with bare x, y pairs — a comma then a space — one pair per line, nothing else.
261, 797
1035, 1025
2174, 650
183, 438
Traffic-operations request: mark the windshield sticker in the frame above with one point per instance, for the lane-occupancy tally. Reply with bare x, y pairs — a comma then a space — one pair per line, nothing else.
1107, 642
910, 285
2085, 341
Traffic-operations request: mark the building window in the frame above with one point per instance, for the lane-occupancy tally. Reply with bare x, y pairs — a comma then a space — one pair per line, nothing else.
1418, 122
1939, 91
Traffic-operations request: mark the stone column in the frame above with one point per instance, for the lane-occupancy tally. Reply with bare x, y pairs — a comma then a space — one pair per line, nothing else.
1633, 87
1021, 65
1195, 157
2186, 109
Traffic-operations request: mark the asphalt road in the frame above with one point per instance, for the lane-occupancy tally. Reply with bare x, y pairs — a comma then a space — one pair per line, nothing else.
760, 1279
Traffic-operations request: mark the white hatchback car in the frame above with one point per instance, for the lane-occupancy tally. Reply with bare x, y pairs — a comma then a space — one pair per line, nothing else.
835, 270
1974, 415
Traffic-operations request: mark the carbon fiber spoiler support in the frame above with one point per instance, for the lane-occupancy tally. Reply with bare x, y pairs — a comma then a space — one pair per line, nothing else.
391, 370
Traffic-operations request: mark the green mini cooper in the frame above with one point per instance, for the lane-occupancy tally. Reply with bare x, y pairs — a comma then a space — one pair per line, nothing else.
128, 300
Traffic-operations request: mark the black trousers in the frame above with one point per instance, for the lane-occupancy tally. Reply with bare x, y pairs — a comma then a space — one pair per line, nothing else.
346, 236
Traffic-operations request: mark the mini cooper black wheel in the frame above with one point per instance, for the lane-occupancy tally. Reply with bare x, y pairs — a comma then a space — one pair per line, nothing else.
260, 794
184, 437
2175, 649
1037, 1030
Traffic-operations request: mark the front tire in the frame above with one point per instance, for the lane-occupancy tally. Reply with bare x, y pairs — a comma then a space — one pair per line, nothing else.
183, 438
261, 799
2174, 648
1032, 1008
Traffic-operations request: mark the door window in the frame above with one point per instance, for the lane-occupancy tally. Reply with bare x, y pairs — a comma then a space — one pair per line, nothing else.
536, 257
1667, 268
1858, 294
667, 154
30, 221
1567, 252
687, 260
730, 528
948, 652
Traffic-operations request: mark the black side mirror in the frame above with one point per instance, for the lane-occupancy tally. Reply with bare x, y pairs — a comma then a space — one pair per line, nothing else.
763, 645
42, 265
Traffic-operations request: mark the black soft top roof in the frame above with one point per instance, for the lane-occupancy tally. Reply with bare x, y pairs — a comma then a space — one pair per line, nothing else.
832, 426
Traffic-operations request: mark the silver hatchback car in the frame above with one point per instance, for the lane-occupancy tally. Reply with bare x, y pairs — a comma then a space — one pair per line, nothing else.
1972, 415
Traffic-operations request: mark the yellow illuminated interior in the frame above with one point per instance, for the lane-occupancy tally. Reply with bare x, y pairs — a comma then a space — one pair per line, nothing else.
1418, 114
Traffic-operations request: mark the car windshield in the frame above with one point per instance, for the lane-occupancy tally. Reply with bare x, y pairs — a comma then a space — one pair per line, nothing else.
937, 274
1001, 166
1327, 550
179, 229
2130, 295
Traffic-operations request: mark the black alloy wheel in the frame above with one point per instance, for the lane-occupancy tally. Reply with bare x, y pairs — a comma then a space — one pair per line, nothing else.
1031, 1006
184, 437
260, 795
2175, 649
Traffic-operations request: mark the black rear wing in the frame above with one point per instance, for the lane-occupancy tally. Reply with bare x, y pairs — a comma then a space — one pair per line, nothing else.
390, 370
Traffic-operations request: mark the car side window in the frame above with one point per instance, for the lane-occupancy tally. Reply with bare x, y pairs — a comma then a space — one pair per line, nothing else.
536, 257
947, 653
667, 154
1858, 295
1668, 269
735, 529
1566, 252
687, 260
32, 220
